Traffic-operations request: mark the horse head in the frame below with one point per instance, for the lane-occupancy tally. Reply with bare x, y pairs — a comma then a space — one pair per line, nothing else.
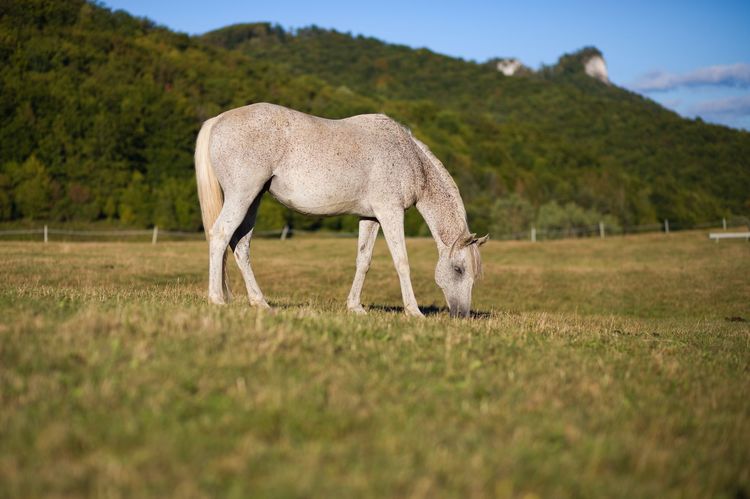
458, 267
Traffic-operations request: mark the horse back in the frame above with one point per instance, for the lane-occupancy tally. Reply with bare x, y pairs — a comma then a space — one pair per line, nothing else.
318, 165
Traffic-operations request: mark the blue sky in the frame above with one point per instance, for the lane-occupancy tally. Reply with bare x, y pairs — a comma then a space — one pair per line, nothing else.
691, 56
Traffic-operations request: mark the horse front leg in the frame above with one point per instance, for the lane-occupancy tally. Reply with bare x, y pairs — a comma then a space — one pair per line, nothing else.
392, 221
368, 233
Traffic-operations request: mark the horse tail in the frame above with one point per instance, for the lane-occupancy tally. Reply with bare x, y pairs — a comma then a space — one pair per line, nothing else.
209, 191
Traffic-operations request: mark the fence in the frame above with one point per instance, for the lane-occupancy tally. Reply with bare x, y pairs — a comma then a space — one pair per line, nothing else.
600, 230
155, 235
46, 234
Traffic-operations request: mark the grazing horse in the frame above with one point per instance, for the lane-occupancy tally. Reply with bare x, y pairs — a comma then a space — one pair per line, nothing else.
367, 165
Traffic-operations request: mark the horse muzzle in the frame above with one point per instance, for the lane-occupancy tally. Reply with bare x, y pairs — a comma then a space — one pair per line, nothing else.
460, 311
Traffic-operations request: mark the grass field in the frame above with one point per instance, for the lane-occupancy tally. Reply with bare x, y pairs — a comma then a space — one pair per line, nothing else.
617, 367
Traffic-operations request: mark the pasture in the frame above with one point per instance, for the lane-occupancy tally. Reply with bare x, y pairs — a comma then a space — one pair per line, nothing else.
616, 367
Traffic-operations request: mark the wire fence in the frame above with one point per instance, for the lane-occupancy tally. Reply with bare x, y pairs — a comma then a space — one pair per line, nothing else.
155, 235
602, 230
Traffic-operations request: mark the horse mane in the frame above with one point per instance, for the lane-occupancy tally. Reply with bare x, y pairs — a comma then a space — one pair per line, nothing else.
441, 173
445, 180
476, 261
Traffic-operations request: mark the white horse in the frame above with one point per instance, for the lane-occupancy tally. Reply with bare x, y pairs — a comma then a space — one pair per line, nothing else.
366, 165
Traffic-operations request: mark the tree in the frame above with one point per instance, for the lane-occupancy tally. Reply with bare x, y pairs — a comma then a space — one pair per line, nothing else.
32, 189
6, 204
571, 220
135, 205
511, 215
176, 205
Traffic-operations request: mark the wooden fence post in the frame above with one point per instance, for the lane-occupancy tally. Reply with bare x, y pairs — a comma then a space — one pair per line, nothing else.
724, 223
601, 229
666, 226
46, 237
155, 234
533, 234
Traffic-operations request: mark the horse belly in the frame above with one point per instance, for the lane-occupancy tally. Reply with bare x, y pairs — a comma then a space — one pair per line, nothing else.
321, 193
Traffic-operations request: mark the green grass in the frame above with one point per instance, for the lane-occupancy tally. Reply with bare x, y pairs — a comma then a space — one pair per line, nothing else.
594, 368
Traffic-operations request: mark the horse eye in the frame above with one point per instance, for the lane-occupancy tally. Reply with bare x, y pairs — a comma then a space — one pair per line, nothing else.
458, 270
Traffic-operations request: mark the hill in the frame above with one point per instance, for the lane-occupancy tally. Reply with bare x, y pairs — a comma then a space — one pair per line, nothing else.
552, 134
102, 110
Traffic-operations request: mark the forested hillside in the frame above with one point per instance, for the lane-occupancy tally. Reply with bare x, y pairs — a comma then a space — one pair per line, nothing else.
100, 112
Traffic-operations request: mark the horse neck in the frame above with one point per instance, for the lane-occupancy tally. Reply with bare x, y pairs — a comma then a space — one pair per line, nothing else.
441, 207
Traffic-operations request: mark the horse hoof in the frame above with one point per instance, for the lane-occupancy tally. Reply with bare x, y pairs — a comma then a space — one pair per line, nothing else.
217, 300
359, 310
263, 305
414, 313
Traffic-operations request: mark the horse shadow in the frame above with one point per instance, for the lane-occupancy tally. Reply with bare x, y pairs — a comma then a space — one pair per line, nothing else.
429, 310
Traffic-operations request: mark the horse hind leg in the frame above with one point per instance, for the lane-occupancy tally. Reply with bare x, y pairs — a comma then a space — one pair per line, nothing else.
368, 233
240, 244
236, 205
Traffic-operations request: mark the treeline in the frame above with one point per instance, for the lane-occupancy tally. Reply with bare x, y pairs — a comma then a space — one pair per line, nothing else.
101, 110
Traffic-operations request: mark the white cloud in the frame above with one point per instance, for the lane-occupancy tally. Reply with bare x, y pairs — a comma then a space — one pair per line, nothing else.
735, 107
732, 75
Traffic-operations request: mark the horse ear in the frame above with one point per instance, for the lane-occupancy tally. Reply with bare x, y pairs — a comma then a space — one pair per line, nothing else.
483, 240
471, 238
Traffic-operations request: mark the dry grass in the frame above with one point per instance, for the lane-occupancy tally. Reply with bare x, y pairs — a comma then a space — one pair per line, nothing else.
593, 368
